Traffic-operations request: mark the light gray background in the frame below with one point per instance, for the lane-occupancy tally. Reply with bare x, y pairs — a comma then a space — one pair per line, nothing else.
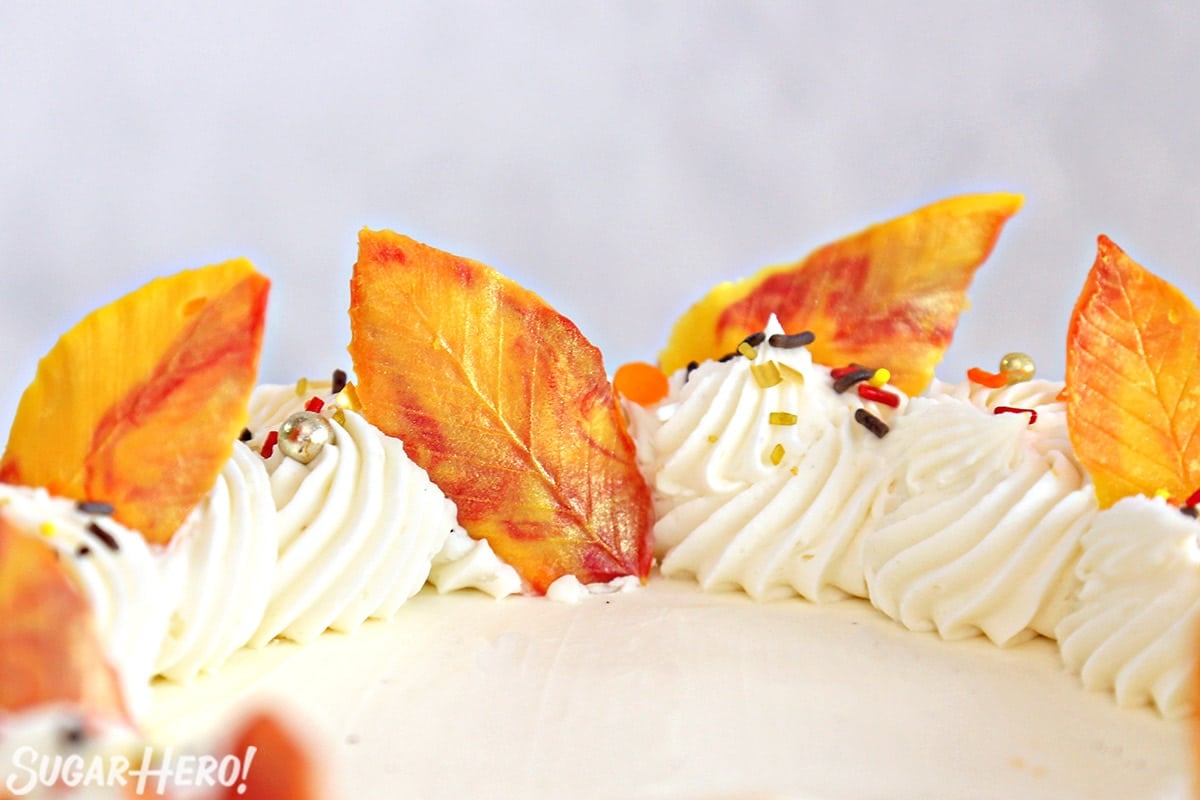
618, 157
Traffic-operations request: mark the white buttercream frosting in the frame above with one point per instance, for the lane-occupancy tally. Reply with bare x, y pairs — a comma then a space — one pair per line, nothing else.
727, 512
358, 528
130, 589
226, 554
983, 515
1134, 629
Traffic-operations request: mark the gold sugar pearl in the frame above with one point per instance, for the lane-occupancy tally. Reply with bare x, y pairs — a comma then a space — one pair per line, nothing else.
1018, 367
303, 435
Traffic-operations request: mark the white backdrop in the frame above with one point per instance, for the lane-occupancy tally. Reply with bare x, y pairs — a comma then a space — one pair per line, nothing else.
618, 157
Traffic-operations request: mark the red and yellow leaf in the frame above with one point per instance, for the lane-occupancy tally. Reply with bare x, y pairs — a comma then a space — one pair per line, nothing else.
50, 651
506, 405
282, 768
139, 404
889, 296
1133, 381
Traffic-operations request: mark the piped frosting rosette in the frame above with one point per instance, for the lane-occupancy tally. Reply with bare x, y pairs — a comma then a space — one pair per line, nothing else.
981, 523
763, 479
1134, 627
358, 527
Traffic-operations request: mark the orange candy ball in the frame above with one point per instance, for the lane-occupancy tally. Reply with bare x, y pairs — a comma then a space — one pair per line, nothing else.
641, 383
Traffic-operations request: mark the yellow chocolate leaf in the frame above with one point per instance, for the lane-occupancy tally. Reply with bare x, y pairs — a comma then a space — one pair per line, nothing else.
889, 296
1133, 381
505, 404
139, 404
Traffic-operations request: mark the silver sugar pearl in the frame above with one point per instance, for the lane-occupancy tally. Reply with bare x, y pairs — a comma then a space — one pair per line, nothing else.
303, 435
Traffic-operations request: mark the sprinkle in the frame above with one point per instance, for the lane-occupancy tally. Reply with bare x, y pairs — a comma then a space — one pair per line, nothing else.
1014, 410
712, 439
991, 380
246, 435
1193, 499
46, 529
766, 374
73, 734
776, 454
338, 416
727, 357
104, 536
82, 551
1189, 511
789, 340
338, 382
851, 378
746, 349
98, 507
302, 387
1063, 395
871, 422
781, 418
1162, 493
348, 398
838, 372
795, 470
755, 339
691, 367
868, 392
315, 404
791, 373
881, 377
269, 445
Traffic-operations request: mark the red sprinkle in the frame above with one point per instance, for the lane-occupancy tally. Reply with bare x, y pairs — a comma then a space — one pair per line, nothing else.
1193, 499
314, 405
868, 392
838, 372
269, 445
1014, 410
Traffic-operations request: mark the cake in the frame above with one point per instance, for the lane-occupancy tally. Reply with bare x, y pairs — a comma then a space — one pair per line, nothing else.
864, 586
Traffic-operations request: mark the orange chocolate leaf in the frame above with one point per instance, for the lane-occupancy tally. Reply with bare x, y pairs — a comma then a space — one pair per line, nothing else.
281, 768
1133, 380
889, 296
49, 649
139, 404
506, 405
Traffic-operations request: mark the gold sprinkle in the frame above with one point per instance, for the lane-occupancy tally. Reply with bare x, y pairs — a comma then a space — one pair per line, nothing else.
46, 529
1165, 494
766, 374
781, 418
712, 439
338, 416
747, 349
302, 387
348, 398
791, 373
881, 377
795, 470
777, 454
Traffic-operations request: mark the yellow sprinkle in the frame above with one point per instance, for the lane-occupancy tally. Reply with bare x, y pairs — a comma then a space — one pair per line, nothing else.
795, 470
881, 376
777, 454
781, 418
791, 373
348, 398
766, 374
1165, 494
747, 350
302, 387
712, 439
46, 529
338, 416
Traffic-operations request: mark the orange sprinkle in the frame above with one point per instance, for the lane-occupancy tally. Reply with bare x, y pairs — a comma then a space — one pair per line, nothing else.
641, 383
992, 380
1063, 395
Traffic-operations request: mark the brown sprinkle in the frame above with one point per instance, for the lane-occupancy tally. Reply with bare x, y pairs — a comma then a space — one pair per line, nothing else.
339, 381
787, 340
754, 339
83, 550
727, 357
246, 435
691, 367
851, 378
98, 507
104, 536
871, 422
1189, 511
